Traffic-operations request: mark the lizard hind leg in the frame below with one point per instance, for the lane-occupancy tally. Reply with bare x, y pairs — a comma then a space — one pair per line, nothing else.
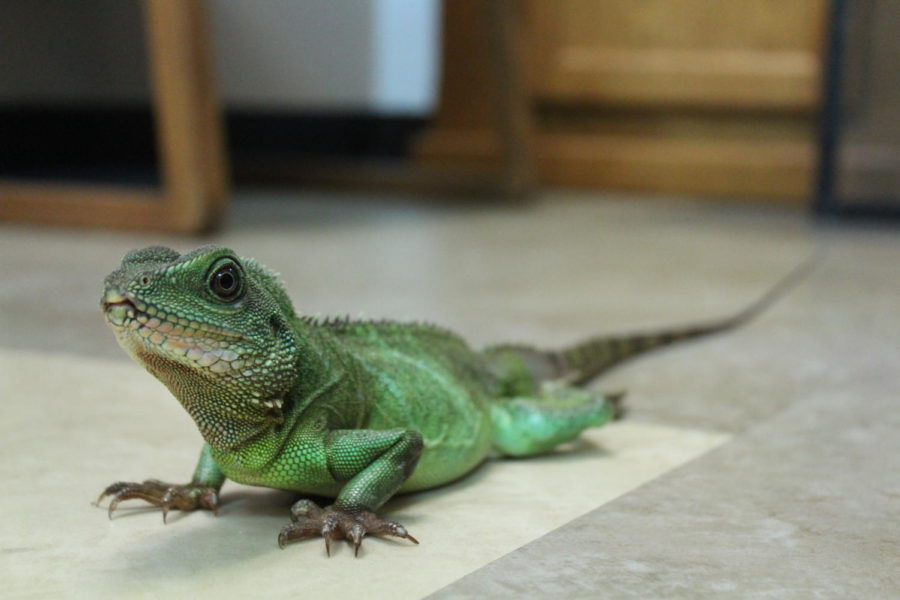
525, 426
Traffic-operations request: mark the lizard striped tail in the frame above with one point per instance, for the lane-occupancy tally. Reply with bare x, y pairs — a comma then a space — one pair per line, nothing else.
588, 359
582, 362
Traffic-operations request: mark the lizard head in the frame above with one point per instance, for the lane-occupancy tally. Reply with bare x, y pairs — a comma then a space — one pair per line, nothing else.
205, 318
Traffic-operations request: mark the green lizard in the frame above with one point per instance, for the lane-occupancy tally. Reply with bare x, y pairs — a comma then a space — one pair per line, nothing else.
352, 410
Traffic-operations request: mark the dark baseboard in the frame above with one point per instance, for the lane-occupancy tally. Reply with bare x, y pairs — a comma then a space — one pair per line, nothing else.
117, 144
78, 143
321, 135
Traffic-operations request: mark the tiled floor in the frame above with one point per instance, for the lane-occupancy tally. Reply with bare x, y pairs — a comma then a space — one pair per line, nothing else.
799, 499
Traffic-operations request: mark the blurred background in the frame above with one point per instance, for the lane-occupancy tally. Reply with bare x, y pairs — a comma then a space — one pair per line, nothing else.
148, 114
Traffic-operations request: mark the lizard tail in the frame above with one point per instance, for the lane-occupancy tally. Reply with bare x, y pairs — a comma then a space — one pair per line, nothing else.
582, 362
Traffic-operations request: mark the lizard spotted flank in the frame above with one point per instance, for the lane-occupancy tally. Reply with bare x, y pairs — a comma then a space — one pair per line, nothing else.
352, 410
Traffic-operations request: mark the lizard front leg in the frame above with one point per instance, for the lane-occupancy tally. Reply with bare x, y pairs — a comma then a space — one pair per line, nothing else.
201, 492
374, 465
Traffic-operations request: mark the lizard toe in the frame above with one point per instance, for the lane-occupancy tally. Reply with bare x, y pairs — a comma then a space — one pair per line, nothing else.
333, 523
167, 496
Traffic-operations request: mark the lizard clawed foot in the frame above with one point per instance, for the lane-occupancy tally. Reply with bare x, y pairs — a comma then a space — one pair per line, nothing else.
334, 524
187, 496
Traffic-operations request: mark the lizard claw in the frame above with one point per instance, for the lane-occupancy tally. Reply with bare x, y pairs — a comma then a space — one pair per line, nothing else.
333, 524
355, 534
168, 496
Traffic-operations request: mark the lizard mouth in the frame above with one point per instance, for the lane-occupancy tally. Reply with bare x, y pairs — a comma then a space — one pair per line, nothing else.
119, 312
203, 344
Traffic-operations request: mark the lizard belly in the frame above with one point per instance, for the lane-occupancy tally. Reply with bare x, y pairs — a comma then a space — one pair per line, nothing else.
449, 411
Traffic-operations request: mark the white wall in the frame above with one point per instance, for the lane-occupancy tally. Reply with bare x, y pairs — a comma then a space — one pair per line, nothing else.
352, 55
54, 50
406, 55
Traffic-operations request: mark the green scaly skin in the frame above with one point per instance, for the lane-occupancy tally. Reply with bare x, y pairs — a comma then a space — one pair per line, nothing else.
353, 410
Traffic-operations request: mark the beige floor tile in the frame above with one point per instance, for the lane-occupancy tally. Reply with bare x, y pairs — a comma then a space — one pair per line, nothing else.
73, 425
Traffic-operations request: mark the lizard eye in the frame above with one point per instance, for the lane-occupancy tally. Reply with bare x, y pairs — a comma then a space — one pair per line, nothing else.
226, 282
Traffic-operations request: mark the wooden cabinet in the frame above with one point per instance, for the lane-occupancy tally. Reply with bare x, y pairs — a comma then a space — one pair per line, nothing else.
711, 97
727, 54
190, 138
